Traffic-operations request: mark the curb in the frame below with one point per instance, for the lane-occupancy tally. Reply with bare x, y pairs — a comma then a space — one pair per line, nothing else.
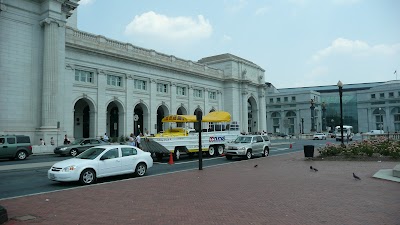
3, 215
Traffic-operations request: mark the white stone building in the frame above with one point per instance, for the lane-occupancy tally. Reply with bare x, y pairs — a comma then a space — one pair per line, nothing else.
58, 80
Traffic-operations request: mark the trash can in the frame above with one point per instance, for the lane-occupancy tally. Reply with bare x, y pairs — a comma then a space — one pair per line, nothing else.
308, 151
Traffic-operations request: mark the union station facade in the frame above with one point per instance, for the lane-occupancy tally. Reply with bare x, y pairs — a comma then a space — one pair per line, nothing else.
59, 80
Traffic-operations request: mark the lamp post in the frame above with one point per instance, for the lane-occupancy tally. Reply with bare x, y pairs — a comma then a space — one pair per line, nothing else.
333, 124
381, 120
340, 85
312, 107
302, 125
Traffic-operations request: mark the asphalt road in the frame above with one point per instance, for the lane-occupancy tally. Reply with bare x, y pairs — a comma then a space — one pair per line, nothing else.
19, 178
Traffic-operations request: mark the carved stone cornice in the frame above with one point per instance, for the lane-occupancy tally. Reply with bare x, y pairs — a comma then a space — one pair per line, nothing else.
49, 20
70, 66
68, 7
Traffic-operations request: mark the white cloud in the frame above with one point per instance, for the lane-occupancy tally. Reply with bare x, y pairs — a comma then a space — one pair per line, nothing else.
355, 48
262, 11
86, 2
236, 6
151, 24
226, 38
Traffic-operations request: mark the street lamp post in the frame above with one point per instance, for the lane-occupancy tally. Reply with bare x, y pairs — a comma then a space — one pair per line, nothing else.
340, 85
302, 125
333, 124
381, 120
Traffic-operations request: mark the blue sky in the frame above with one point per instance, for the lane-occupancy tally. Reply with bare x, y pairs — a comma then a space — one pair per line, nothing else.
297, 42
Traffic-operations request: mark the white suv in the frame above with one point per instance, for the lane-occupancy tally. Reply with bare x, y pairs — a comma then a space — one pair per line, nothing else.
247, 146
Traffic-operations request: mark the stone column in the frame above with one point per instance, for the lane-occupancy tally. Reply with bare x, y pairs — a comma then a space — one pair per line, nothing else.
262, 112
172, 111
129, 104
206, 106
153, 107
50, 73
244, 111
102, 116
190, 103
220, 102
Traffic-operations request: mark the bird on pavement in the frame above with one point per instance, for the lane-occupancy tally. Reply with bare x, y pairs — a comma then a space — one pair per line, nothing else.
356, 177
255, 165
315, 169
311, 168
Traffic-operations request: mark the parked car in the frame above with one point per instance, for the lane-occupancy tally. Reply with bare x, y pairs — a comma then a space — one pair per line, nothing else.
374, 132
78, 146
319, 136
247, 146
101, 161
15, 147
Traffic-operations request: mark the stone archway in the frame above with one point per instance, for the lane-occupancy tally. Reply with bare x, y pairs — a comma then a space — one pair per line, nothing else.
84, 119
142, 123
115, 119
162, 112
252, 116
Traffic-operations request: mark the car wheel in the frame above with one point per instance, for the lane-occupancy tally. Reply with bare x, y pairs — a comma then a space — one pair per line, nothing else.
88, 176
140, 170
21, 155
211, 151
265, 152
220, 149
248, 154
73, 152
229, 157
177, 154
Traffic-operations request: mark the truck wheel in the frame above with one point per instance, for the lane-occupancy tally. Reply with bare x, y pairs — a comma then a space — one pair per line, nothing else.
140, 170
211, 151
265, 152
21, 155
248, 154
73, 152
88, 176
220, 149
159, 156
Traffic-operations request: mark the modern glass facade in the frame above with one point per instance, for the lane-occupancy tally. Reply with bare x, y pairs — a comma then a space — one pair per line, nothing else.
332, 105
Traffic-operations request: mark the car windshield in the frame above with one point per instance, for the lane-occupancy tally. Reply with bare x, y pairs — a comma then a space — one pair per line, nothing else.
91, 153
76, 142
243, 140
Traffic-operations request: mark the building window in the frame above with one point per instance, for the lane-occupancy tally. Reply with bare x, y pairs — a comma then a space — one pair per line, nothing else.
162, 88
181, 90
198, 93
271, 100
114, 80
381, 95
212, 95
278, 99
391, 94
372, 96
83, 76
285, 99
293, 98
140, 84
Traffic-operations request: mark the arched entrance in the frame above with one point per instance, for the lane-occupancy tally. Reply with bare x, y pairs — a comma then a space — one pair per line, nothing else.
162, 112
115, 119
290, 122
141, 125
84, 119
252, 115
181, 111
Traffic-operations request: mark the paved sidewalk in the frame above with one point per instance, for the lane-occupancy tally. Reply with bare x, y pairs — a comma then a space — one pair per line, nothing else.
280, 190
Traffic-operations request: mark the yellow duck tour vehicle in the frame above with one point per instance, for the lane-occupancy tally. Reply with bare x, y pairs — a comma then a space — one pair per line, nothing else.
180, 137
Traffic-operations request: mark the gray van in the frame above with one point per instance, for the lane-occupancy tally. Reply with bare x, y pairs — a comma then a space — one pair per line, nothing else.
15, 147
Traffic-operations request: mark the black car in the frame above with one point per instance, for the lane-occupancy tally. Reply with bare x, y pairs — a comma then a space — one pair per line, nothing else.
78, 146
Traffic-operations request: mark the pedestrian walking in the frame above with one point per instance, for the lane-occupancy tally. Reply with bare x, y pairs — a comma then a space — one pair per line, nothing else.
52, 141
105, 137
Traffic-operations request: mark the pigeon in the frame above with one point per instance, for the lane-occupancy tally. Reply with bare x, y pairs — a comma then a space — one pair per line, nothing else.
255, 165
311, 168
356, 177
315, 169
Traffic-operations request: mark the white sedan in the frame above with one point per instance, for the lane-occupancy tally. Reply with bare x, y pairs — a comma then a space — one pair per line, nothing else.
319, 136
102, 161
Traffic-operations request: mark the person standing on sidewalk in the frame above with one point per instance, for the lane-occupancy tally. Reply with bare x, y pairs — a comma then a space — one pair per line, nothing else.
138, 140
105, 137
